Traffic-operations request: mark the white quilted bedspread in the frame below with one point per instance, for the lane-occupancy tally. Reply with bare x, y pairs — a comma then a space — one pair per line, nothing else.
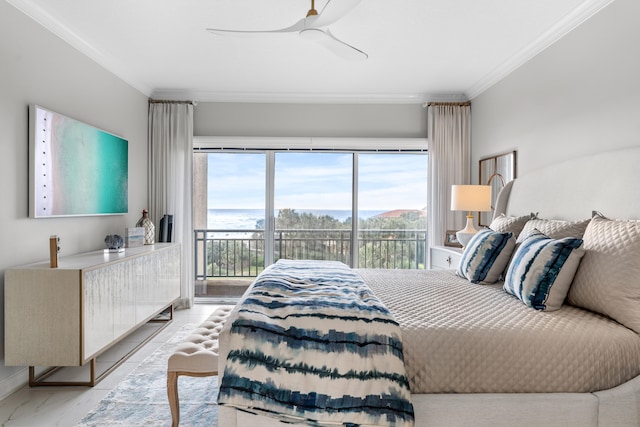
464, 338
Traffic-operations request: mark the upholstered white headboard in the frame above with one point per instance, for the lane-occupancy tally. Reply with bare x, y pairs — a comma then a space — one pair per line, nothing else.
608, 182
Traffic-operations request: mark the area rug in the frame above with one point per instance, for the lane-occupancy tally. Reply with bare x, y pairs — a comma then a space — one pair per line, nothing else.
141, 398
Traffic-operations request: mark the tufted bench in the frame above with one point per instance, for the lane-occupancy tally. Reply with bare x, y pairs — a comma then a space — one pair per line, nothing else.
197, 356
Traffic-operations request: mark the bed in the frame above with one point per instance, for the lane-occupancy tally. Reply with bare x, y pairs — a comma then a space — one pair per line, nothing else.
491, 360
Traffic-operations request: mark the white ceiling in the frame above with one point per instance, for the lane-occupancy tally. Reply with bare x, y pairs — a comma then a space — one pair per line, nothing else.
418, 50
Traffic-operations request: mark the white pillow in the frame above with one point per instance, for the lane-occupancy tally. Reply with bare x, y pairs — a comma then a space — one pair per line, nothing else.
555, 228
608, 279
486, 256
513, 224
542, 270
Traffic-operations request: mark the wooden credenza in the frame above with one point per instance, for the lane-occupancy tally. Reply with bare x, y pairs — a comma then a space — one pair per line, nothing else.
69, 315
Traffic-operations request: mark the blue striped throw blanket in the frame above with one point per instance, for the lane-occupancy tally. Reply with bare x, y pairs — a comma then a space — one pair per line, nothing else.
312, 344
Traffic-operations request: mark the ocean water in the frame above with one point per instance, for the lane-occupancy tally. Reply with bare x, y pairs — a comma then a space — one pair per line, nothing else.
246, 219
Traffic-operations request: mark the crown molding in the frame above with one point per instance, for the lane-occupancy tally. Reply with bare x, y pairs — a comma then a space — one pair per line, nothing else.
108, 62
304, 98
579, 15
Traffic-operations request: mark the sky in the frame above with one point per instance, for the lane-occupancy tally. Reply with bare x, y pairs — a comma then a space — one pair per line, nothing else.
313, 180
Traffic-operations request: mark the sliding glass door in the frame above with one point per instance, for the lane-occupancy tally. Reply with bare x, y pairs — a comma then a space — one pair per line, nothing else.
392, 206
229, 218
251, 209
313, 206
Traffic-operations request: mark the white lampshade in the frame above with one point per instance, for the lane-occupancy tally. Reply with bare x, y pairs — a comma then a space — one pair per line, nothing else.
471, 198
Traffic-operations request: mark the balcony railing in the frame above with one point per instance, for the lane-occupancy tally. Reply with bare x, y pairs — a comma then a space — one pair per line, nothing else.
240, 253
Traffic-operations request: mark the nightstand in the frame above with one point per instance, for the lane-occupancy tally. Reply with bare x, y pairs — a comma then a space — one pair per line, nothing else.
444, 257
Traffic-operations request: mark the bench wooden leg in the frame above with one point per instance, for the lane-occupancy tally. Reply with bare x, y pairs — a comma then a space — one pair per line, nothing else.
174, 401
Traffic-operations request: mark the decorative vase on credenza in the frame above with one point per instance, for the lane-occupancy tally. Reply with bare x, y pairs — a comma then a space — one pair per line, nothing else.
149, 228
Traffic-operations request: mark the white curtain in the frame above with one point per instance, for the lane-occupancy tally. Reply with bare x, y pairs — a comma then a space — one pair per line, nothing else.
170, 179
449, 138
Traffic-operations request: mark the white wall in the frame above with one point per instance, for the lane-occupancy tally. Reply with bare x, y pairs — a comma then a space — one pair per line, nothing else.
38, 67
310, 120
580, 96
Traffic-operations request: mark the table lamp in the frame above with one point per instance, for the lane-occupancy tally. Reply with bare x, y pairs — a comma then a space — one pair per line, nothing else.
470, 198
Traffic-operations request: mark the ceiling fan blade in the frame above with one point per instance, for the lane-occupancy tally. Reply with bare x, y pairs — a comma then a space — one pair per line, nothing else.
295, 28
341, 48
333, 11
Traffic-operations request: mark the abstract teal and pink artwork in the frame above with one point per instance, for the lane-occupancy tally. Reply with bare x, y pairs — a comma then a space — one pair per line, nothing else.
75, 169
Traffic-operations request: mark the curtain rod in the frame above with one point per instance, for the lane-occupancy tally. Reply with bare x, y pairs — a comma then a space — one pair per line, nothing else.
170, 101
301, 149
435, 104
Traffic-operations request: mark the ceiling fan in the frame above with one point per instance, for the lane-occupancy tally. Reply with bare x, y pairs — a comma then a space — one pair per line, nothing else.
313, 27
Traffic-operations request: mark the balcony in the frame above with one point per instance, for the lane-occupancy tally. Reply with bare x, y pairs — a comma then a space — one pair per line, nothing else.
226, 261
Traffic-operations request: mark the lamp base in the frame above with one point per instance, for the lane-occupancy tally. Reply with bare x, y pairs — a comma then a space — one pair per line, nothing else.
464, 236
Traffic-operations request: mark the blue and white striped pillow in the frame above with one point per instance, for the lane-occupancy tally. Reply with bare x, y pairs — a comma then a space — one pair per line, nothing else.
542, 270
486, 256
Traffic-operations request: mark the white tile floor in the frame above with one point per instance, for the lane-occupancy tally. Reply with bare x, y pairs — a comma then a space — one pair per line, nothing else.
65, 406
